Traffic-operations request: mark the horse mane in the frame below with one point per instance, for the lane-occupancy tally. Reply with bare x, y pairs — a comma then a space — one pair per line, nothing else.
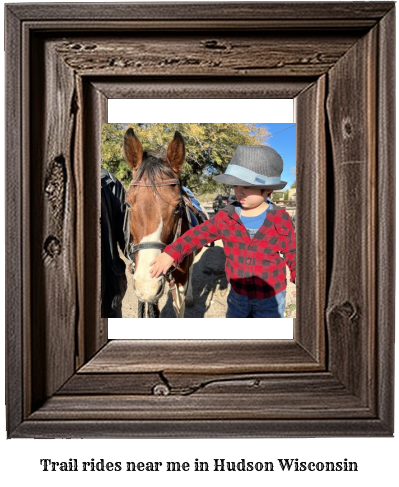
154, 167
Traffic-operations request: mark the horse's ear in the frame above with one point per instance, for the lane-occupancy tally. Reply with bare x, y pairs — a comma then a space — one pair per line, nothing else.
133, 149
177, 153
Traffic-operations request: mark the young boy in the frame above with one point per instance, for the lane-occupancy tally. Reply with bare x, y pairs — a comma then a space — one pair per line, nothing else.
254, 233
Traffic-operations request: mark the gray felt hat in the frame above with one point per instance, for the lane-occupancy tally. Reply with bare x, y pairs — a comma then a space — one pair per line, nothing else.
259, 166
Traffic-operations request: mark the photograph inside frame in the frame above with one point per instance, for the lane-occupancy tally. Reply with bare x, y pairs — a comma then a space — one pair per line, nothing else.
198, 220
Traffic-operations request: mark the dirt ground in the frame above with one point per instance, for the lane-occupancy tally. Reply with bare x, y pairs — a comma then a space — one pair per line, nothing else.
209, 288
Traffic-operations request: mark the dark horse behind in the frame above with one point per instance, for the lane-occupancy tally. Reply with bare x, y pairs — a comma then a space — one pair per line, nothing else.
158, 214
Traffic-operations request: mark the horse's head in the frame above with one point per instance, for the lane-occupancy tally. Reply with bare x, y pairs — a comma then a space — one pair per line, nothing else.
155, 201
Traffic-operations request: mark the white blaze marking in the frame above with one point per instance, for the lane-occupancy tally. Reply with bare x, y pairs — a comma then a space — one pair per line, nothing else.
145, 286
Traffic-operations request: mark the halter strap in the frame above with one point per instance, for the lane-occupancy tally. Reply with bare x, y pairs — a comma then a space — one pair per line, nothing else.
131, 249
162, 182
147, 245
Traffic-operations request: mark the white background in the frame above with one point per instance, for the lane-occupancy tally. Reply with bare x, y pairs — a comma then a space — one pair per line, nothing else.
201, 111
377, 457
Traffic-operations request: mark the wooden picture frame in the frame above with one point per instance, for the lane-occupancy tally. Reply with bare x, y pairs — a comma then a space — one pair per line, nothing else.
335, 378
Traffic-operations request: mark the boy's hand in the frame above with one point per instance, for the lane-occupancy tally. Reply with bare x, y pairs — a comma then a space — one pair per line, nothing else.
160, 265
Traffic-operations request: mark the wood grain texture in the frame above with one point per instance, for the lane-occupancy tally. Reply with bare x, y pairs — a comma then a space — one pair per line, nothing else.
111, 384
190, 428
200, 356
16, 264
202, 407
352, 128
385, 244
299, 24
95, 329
311, 221
136, 87
66, 62
205, 55
184, 384
278, 396
278, 11
53, 207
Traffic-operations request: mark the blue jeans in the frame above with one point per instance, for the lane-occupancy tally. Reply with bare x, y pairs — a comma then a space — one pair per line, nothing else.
239, 306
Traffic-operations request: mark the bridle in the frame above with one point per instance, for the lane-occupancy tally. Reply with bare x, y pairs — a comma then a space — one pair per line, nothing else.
131, 248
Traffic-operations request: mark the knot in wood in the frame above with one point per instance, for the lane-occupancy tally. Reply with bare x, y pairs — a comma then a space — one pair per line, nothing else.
90, 47
347, 128
50, 188
213, 44
161, 390
349, 310
346, 310
52, 246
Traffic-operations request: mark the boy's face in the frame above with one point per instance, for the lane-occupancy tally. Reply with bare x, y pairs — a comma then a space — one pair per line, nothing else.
250, 197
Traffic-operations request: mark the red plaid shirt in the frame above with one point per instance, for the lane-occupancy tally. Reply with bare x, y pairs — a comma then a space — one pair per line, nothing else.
254, 266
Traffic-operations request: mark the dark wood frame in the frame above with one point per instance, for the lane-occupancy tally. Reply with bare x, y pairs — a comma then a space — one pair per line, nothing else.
336, 376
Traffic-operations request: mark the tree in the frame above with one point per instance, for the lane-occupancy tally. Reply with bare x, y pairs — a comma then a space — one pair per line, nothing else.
209, 147
112, 155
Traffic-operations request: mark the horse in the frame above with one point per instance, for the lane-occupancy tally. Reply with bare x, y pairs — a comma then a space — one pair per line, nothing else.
157, 215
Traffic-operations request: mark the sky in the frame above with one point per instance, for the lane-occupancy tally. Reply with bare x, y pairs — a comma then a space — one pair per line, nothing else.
283, 140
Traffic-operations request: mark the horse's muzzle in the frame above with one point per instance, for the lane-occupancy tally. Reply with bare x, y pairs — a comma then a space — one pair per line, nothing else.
148, 293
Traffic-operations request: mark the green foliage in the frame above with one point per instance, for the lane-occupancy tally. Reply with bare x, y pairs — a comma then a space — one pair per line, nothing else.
209, 148
278, 195
112, 156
